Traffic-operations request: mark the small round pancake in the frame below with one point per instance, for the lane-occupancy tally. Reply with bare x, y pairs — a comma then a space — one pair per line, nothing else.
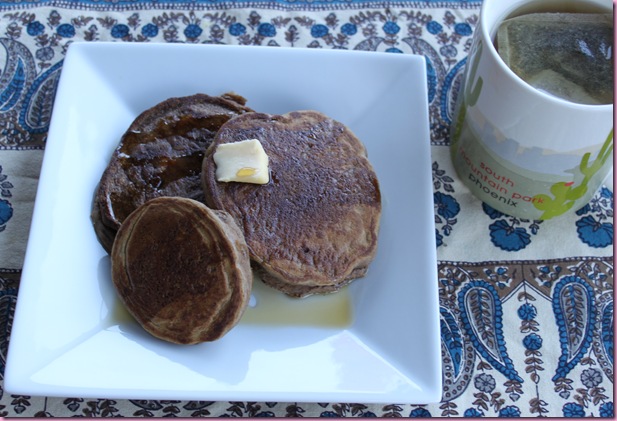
182, 270
313, 228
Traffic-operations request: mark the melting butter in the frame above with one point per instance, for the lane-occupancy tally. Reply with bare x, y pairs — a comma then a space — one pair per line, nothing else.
244, 161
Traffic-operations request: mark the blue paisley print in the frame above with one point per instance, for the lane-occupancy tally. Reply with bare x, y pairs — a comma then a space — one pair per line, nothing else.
573, 410
6, 212
121, 30
507, 237
452, 339
509, 412
420, 413
596, 226
608, 331
607, 410
446, 206
66, 30
532, 342
595, 233
481, 313
574, 308
150, 30
510, 233
35, 28
527, 312
473, 413
6, 208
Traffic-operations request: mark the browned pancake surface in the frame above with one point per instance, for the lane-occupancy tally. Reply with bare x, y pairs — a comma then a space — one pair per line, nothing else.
314, 226
182, 270
160, 155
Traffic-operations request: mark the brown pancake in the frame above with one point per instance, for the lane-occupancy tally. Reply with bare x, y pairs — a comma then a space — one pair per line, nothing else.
160, 155
313, 228
182, 270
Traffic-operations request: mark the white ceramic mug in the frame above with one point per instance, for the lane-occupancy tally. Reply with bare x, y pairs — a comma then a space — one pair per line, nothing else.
524, 152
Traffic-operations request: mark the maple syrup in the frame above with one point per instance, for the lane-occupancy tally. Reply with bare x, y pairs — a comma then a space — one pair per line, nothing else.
271, 307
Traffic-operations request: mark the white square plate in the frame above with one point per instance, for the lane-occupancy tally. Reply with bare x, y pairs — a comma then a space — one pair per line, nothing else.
70, 337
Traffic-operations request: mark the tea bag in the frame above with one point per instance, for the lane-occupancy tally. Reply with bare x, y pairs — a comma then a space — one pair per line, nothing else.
568, 55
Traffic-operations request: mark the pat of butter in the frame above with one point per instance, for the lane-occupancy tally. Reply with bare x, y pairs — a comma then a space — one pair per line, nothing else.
244, 161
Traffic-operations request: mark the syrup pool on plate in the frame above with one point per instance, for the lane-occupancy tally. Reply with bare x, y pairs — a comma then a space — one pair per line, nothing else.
271, 307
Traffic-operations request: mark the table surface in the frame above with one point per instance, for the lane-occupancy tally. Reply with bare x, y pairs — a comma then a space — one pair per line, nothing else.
540, 353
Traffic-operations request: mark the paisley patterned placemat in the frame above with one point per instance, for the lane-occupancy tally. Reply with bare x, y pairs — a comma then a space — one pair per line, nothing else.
526, 306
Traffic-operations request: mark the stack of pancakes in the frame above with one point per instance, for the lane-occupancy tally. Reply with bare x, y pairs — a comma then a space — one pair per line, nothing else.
181, 241
160, 154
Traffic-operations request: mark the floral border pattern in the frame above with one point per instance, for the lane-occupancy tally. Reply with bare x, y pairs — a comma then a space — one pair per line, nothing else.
475, 297
30, 75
